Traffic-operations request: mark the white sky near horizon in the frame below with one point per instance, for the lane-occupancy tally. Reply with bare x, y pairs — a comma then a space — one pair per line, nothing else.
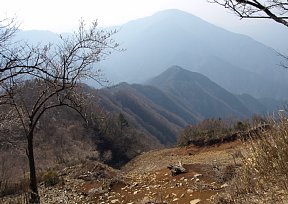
64, 15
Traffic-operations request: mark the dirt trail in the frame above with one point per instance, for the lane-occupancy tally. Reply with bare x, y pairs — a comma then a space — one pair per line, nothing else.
146, 179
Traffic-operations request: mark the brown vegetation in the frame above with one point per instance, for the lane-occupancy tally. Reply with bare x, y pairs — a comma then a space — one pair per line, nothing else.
216, 131
63, 139
211, 132
233, 172
263, 177
56, 71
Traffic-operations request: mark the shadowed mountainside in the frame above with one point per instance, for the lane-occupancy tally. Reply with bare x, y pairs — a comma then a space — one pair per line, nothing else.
173, 100
172, 37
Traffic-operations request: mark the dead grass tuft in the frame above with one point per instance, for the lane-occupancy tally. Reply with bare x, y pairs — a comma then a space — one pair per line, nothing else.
263, 177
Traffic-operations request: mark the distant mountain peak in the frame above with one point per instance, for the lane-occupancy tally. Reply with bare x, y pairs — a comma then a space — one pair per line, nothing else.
175, 13
173, 70
177, 73
176, 68
169, 12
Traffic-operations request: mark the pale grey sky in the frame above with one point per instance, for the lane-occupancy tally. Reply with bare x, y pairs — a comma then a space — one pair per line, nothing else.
64, 15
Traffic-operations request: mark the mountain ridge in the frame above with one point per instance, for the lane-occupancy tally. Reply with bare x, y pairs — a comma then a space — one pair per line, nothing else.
176, 37
188, 41
169, 102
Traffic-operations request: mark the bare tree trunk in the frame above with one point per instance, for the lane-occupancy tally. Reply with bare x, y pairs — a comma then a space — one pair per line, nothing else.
35, 198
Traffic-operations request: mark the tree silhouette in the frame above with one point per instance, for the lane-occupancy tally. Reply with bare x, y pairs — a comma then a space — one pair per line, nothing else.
34, 80
271, 9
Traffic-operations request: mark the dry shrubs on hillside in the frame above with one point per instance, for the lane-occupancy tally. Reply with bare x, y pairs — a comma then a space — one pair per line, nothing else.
211, 131
64, 139
263, 177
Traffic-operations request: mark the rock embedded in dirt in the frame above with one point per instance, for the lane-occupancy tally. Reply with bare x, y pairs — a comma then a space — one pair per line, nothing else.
114, 201
190, 191
195, 201
197, 175
177, 169
224, 185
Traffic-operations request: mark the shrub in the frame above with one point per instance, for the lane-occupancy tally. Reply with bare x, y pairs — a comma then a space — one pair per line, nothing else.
50, 178
241, 126
264, 173
204, 133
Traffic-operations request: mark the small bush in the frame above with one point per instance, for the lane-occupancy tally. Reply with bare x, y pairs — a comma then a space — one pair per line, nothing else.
264, 173
207, 132
50, 178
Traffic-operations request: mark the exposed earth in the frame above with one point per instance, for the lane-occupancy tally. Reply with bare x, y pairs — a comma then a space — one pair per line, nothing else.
146, 179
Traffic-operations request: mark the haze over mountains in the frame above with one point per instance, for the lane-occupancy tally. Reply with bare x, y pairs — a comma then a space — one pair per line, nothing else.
236, 62
174, 99
247, 69
177, 70
172, 37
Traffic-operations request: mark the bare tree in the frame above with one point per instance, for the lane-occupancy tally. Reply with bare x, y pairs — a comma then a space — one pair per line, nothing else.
8, 27
271, 9
37, 79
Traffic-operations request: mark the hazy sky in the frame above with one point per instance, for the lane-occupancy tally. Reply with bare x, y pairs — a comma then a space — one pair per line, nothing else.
64, 15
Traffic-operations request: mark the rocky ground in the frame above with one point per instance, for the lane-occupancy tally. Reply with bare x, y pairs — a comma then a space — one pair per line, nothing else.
146, 179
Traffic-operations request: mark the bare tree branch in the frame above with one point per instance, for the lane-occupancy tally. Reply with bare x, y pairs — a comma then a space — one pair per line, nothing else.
271, 9
36, 79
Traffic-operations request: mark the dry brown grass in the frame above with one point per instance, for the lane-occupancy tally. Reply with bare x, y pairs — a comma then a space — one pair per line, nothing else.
263, 177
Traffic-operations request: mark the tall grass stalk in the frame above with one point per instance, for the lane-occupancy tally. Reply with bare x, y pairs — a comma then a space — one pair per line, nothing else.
264, 174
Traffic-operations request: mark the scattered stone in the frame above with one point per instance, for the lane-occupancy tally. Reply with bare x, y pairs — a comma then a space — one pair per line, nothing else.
190, 191
135, 184
114, 201
197, 175
177, 169
135, 192
224, 185
195, 201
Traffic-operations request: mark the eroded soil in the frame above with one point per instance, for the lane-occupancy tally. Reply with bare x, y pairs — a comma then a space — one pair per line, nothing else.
146, 179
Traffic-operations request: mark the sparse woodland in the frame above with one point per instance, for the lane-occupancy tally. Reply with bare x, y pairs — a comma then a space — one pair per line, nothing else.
57, 132
38, 79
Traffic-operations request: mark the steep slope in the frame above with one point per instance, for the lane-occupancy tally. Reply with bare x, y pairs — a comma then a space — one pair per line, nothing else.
236, 62
199, 94
174, 37
140, 109
173, 100
236, 80
256, 106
